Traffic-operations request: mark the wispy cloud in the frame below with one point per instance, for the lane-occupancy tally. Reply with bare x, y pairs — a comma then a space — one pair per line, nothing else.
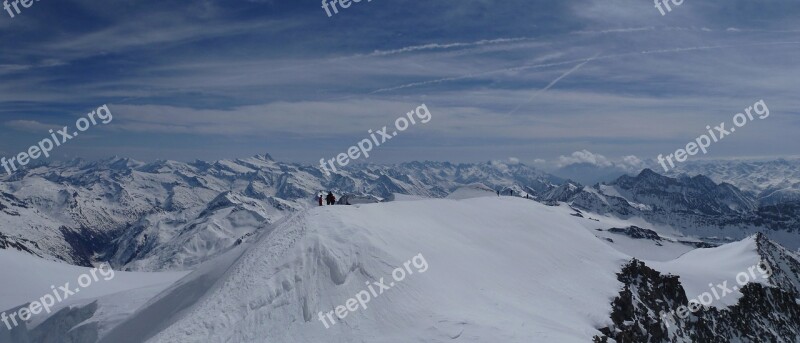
247, 72
553, 83
30, 126
438, 46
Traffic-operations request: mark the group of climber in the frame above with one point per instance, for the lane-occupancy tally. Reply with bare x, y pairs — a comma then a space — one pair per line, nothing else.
330, 199
511, 193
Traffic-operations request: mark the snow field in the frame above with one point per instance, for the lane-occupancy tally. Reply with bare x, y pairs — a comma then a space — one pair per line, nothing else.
504, 269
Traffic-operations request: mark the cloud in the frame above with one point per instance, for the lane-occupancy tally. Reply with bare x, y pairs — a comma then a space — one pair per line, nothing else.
628, 164
631, 163
513, 160
584, 156
553, 83
30, 125
317, 119
439, 46
259, 72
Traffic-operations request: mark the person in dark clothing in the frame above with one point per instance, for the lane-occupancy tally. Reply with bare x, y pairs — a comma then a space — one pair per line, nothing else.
510, 192
498, 193
320, 199
331, 199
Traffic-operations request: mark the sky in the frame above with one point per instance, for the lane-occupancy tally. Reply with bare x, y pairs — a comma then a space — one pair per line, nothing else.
543, 82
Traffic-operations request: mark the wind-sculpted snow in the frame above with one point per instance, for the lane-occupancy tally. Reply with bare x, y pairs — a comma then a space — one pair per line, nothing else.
500, 269
79, 315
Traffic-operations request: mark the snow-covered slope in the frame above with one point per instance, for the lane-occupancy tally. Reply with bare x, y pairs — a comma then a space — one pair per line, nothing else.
479, 269
699, 268
26, 278
99, 298
495, 269
477, 190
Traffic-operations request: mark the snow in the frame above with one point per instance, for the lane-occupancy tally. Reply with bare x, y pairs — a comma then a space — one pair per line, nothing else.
405, 197
162, 208
613, 191
701, 267
164, 309
610, 190
27, 278
667, 249
500, 269
472, 191
748, 175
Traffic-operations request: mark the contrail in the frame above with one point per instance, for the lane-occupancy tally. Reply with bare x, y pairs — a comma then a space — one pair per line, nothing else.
412, 48
532, 66
440, 46
553, 83
535, 66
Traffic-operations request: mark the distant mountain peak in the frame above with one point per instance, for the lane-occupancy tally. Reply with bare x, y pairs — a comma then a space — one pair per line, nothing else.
647, 172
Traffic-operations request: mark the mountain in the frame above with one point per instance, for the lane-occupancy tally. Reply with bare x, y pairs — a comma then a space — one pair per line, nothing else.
588, 173
169, 215
697, 195
652, 307
692, 206
775, 184
478, 269
760, 178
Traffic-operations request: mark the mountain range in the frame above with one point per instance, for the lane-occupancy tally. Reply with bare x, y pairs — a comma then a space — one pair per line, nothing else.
239, 250
169, 215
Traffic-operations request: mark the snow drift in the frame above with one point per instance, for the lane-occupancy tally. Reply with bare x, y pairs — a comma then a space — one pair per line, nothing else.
500, 269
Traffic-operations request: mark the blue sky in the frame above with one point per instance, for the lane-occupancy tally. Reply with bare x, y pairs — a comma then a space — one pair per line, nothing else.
213, 79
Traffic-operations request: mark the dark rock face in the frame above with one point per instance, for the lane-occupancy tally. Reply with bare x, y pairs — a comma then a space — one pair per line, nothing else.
20, 244
697, 195
648, 307
701, 245
85, 244
563, 192
636, 233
